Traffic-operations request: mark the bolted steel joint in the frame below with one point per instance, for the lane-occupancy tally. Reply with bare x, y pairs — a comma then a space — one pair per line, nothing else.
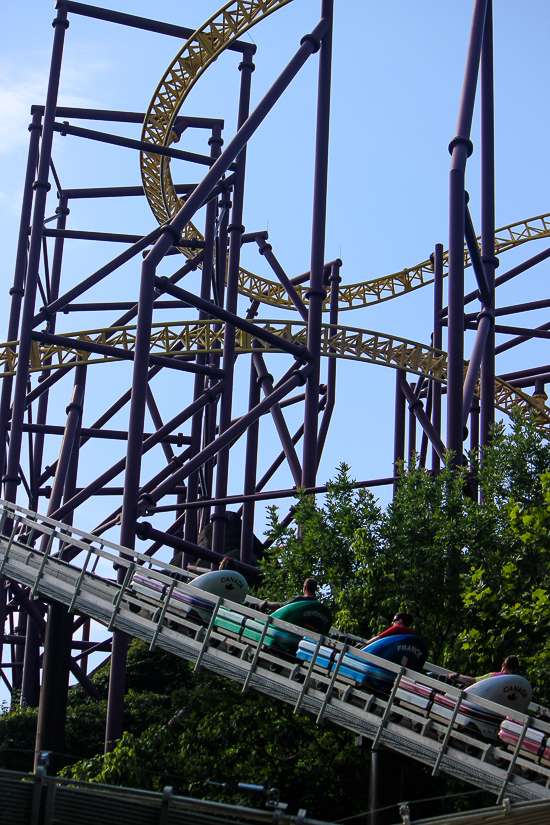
456, 141
310, 38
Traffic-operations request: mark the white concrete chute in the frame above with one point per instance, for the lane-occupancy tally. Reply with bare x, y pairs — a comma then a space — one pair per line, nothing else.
164, 620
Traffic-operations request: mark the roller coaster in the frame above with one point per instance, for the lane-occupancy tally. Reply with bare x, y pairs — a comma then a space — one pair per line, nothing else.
217, 327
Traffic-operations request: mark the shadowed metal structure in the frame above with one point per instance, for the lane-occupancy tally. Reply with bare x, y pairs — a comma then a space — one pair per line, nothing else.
213, 330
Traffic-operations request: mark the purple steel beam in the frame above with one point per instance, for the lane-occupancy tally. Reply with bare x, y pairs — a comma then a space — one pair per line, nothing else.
17, 291
425, 439
107, 306
30, 677
461, 148
510, 376
415, 404
41, 186
490, 262
273, 494
316, 292
191, 525
145, 23
230, 435
112, 435
117, 116
266, 250
232, 320
50, 733
56, 279
250, 468
97, 276
145, 531
399, 424
120, 191
148, 444
525, 333
129, 143
521, 383
157, 421
28, 608
235, 230
438, 344
514, 309
265, 381
111, 237
334, 280
123, 354
411, 453
486, 293
485, 324
514, 342
506, 276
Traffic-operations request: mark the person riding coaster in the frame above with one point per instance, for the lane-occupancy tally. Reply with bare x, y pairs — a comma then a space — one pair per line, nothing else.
303, 611
398, 644
505, 688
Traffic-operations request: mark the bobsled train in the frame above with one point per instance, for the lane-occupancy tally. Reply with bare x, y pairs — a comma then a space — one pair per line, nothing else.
217, 594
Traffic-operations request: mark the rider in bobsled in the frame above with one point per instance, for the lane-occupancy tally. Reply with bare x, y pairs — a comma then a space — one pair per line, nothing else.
510, 667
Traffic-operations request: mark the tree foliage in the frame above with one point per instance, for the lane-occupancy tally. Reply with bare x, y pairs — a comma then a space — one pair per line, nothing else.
474, 574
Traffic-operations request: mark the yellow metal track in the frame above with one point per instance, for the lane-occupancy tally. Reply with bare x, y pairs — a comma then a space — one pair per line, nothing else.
197, 54
350, 343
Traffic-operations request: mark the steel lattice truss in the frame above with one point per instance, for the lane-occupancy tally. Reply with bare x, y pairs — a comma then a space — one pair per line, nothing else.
219, 327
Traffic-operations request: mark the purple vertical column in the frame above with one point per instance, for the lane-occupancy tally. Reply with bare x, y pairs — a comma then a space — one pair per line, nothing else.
63, 211
117, 678
191, 530
412, 433
438, 344
316, 293
41, 186
460, 148
399, 425
50, 733
490, 262
251, 461
335, 280
235, 230
17, 291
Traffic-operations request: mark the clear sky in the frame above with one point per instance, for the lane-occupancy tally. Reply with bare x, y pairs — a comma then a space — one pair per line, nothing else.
398, 70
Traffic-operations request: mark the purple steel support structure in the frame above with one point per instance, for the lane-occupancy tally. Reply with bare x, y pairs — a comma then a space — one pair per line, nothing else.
399, 425
438, 344
316, 292
55, 281
235, 230
334, 281
461, 148
191, 525
141, 358
117, 678
265, 380
50, 734
41, 186
17, 291
251, 463
411, 451
490, 262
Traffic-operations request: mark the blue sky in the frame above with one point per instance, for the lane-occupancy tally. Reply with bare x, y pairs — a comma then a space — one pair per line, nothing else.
398, 70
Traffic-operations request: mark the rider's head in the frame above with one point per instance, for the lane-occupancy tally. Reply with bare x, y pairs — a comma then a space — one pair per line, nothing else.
403, 619
510, 664
310, 588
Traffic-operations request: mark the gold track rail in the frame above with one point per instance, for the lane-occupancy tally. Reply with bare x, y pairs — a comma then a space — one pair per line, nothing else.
191, 337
